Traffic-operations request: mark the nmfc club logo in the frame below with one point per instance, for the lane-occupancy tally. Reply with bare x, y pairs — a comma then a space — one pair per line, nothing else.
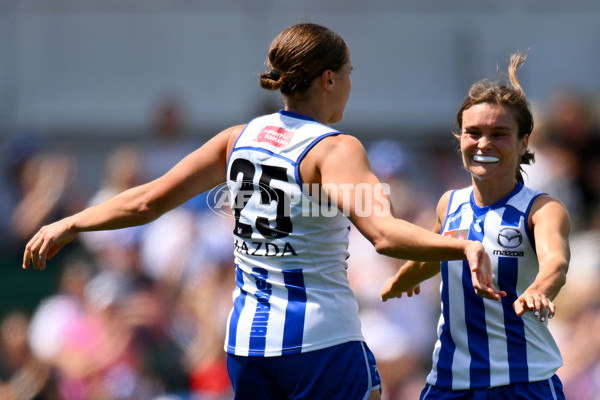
510, 238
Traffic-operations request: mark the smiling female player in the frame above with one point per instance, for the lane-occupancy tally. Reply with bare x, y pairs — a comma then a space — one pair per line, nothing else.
294, 331
486, 349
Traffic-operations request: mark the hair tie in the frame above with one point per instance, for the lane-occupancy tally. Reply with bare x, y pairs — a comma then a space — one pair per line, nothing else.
274, 75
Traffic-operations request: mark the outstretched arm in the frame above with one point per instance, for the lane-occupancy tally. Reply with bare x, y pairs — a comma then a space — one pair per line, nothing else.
345, 175
551, 228
198, 172
408, 279
412, 273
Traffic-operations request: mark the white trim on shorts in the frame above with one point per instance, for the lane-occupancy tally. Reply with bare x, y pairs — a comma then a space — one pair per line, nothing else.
427, 392
551, 384
369, 387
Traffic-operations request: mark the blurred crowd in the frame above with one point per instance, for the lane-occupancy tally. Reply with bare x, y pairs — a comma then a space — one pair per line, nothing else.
140, 313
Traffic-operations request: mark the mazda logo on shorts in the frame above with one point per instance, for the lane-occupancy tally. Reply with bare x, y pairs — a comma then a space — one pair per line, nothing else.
510, 238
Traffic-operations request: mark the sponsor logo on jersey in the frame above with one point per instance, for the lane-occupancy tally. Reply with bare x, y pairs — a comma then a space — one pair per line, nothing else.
510, 238
264, 249
461, 234
457, 214
263, 307
508, 253
275, 136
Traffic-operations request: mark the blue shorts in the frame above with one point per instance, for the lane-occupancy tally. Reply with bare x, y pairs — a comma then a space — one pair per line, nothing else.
550, 389
346, 372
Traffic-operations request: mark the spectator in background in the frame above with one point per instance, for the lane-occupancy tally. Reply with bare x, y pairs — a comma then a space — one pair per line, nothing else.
43, 182
166, 246
573, 128
118, 250
168, 142
54, 313
103, 336
204, 305
555, 170
23, 376
576, 324
97, 358
13, 158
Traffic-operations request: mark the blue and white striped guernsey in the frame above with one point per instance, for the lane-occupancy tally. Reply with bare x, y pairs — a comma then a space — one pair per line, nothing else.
481, 342
292, 293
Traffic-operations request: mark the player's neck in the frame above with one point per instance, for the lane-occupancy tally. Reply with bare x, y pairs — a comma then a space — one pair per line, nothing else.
486, 192
312, 105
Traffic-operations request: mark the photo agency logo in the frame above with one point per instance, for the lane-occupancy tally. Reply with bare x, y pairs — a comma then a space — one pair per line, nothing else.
328, 200
218, 202
229, 203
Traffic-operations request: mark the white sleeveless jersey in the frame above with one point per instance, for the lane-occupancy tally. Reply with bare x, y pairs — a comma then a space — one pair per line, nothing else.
482, 342
292, 293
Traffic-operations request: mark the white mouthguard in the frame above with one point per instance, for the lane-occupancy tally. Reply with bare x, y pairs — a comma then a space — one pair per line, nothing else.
485, 159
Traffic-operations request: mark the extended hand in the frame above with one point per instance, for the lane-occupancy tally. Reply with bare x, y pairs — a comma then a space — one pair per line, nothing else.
481, 272
392, 289
45, 244
540, 305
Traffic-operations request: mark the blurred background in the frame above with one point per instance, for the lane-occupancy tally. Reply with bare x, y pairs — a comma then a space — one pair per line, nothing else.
99, 95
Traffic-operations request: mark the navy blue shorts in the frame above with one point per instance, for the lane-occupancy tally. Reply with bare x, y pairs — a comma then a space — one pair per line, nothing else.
345, 372
550, 389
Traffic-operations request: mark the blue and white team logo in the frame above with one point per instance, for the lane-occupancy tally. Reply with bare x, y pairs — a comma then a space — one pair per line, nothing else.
510, 238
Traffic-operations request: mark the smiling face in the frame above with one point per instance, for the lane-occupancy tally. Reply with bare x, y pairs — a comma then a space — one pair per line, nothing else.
490, 143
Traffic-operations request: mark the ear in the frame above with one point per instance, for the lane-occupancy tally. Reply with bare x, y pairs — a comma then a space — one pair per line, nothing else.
524, 145
327, 79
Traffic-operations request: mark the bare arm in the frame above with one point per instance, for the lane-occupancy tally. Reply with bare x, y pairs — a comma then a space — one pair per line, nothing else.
551, 228
198, 172
408, 279
343, 170
412, 273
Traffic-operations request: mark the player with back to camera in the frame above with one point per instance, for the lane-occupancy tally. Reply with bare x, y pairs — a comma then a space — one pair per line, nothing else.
294, 331
487, 349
